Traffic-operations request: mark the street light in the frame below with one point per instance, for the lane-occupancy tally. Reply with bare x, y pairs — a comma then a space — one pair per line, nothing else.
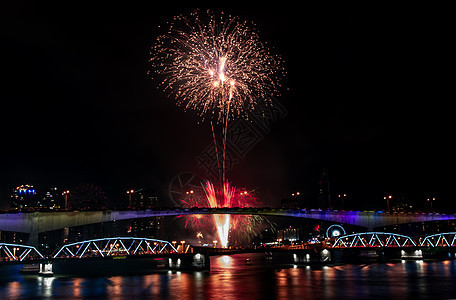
388, 198
215, 243
65, 194
430, 200
130, 192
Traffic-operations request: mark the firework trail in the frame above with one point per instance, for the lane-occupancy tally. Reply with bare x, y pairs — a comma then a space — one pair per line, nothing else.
218, 67
239, 227
219, 201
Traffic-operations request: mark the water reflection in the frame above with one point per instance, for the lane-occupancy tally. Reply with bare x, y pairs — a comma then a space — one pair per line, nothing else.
13, 290
224, 261
232, 277
45, 286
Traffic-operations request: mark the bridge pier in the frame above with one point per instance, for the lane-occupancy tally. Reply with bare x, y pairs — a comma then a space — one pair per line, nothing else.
33, 239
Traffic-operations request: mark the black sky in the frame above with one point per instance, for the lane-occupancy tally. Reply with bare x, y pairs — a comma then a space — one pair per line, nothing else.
366, 96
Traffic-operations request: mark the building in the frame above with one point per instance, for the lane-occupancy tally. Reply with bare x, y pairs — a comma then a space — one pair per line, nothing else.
142, 198
289, 234
13, 237
23, 198
147, 227
52, 199
27, 198
324, 197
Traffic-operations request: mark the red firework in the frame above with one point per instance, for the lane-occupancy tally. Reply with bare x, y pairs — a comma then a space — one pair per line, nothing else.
234, 228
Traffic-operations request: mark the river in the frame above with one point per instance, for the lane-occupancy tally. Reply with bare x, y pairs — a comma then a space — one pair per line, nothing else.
232, 277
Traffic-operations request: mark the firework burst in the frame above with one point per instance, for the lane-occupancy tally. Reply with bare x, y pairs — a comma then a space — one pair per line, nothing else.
234, 228
216, 65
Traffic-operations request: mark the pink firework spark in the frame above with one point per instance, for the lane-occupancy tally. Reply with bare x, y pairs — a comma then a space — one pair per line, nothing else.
228, 227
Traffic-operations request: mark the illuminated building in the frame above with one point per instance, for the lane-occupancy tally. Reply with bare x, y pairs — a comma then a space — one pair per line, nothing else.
147, 227
23, 197
53, 199
27, 198
13, 237
142, 199
289, 234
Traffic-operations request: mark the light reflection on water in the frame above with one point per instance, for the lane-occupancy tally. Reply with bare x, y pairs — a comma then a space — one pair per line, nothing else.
232, 277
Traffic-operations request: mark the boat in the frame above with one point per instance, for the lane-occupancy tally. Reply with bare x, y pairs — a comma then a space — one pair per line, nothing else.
30, 269
46, 270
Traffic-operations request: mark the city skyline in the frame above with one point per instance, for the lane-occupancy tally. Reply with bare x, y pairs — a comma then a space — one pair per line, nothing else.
29, 198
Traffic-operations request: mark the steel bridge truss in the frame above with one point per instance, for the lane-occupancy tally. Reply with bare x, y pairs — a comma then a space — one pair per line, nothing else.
16, 252
447, 239
373, 239
117, 246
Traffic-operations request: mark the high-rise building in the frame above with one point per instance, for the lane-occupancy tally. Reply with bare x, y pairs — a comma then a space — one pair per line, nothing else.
140, 199
289, 234
147, 227
23, 197
143, 198
27, 198
52, 199
324, 197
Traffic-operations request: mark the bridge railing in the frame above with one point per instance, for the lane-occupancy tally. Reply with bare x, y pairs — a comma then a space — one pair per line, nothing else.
373, 239
116, 246
17, 252
445, 239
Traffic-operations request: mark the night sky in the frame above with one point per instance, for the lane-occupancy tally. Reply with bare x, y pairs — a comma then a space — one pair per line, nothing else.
366, 96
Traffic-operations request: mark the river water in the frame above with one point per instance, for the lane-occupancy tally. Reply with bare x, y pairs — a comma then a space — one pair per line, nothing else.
232, 277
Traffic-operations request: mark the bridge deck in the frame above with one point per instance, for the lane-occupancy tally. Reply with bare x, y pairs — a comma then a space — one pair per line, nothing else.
36, 222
